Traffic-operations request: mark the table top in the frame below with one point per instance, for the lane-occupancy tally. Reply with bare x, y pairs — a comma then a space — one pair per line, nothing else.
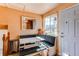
30, 40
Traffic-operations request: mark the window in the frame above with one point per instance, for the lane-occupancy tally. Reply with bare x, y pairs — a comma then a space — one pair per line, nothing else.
51, 25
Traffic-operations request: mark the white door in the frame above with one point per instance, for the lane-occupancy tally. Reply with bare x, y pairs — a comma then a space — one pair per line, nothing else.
1, 41
64, 31
77, 30
67, 31
71, 36
76, 37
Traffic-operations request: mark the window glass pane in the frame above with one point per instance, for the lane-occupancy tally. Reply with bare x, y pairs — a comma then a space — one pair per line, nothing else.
51, 26
47, 24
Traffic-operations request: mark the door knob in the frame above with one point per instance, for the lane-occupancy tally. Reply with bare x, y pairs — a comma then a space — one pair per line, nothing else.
62, 33
62, 36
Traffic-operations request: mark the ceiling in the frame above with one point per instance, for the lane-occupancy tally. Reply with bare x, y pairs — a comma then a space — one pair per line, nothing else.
38, 8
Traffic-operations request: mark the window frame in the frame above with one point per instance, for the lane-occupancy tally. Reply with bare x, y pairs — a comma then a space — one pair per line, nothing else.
50, 17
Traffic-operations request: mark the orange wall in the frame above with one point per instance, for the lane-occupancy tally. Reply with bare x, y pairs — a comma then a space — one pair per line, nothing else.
12, 18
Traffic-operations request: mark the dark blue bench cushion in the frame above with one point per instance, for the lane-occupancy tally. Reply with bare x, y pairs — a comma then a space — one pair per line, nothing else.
48, 38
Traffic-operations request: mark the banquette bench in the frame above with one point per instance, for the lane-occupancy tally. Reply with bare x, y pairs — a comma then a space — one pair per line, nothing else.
47, 44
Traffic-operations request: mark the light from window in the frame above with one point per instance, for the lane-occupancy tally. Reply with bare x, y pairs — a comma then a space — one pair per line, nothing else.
51, 26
